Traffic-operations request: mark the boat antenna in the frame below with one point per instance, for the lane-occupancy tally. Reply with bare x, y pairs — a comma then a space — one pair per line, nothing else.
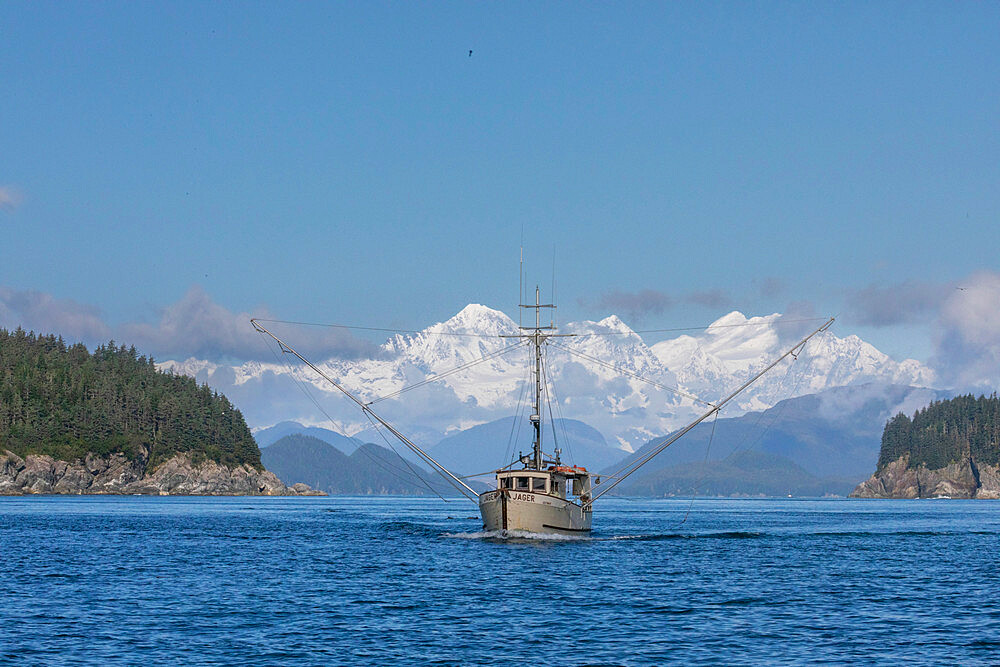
520, 282
552, 323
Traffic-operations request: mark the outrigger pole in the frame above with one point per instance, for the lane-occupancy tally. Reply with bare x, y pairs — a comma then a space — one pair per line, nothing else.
632, 467
464, 489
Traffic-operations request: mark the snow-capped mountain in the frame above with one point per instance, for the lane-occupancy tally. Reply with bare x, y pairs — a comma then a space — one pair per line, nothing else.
603, 374
734, 347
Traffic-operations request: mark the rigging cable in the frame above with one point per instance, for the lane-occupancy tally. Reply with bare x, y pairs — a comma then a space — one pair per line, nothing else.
704, 472
710, 327
774, 418
299, 383
440, 376
468, 491
633, 465
548, 404
488, 472
381, 329
551, 389
415, 474
575, 335
385, 465
524, 408
516, 423
781, 407
622, 371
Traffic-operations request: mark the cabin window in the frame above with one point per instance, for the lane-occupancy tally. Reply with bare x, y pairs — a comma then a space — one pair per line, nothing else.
522, 483
505, 482
538, 484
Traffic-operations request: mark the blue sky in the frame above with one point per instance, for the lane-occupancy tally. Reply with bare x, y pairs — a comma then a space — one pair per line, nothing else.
350, 162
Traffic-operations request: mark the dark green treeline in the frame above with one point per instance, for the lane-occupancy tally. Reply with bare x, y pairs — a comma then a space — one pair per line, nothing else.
945, 432
63, 401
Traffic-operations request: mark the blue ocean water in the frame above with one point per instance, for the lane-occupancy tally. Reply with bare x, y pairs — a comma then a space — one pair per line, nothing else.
347, 580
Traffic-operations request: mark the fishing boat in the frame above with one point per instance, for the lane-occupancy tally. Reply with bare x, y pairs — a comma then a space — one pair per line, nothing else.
537, 492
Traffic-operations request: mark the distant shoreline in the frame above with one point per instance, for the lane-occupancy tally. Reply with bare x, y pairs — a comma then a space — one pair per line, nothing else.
40, 474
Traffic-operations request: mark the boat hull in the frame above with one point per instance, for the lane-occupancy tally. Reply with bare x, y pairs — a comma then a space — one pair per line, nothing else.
508, 510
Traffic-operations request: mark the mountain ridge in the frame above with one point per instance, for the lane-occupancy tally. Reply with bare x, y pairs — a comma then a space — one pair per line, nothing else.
625, 410
833, 436
368, 470
813, 445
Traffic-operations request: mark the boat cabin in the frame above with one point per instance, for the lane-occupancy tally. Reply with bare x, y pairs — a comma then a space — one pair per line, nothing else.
557, 481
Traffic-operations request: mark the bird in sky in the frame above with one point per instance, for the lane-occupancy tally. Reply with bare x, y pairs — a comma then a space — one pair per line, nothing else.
470, 53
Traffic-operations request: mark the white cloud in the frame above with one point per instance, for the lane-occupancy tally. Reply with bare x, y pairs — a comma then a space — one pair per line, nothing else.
903, 303
967, 342
964, 317
9, 198
194, 326
639, 306
965, 321
40, 312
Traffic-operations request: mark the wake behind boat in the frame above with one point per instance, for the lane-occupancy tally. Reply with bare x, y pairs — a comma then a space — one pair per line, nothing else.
538, 492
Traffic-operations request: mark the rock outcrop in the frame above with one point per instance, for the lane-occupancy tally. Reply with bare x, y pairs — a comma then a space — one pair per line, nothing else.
117, 474
989, 482
963, 479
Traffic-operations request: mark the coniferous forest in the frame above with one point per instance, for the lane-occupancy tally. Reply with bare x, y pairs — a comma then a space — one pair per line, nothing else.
65, 401
945, 432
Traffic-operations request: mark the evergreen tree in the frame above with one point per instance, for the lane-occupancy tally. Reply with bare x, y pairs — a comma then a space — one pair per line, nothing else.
945, 432
66, 402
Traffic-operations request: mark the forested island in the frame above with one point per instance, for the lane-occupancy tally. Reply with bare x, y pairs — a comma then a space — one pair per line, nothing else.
72, 421
951, 448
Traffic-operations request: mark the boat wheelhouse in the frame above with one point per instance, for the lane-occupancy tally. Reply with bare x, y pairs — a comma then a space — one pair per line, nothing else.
539, 501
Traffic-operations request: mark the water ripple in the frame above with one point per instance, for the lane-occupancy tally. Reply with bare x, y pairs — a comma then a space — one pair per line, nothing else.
306, 581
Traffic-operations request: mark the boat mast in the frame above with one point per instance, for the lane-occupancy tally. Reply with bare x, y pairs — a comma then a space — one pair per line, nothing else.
536, 417
537, 335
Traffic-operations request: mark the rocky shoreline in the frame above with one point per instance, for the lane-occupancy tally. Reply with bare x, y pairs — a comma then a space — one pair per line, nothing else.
964, 479
117, 475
